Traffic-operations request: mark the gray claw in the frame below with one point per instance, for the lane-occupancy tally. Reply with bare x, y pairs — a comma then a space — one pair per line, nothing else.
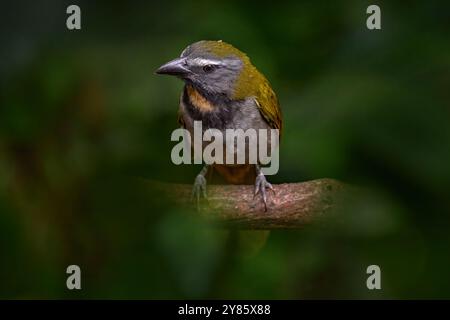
199, 189
260, 187
269, 185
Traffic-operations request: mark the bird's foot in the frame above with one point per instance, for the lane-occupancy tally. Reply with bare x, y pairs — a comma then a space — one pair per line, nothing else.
260, 187
199, 189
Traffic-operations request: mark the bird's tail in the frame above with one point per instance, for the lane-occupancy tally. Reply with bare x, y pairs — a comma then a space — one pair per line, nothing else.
249, 242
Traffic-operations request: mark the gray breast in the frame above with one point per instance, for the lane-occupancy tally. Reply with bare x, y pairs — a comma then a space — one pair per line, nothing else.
235, 115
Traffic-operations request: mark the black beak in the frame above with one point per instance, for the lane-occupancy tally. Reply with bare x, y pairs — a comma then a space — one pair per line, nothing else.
175, 67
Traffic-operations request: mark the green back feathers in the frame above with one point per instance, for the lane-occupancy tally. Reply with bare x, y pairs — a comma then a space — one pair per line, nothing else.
252, 83
269, 106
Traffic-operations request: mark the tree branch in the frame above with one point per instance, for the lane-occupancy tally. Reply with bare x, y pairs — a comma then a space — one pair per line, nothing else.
293, 205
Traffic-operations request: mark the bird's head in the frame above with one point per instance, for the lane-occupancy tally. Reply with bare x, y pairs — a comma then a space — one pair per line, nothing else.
216, 69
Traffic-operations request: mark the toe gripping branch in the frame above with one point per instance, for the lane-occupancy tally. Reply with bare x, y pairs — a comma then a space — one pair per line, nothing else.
199, 188
261, 184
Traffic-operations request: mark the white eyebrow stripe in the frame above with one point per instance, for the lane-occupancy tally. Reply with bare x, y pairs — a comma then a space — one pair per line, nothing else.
203, 62
184, 51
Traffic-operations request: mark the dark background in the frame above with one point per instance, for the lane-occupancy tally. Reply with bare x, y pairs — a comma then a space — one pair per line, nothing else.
82, 116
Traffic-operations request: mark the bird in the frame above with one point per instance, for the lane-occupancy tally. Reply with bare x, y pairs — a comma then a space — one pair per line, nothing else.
224, 90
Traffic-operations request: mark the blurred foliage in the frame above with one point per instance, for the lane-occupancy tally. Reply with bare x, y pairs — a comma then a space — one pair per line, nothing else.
83, 119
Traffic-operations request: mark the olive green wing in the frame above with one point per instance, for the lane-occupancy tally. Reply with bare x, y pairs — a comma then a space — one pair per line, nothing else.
269, 107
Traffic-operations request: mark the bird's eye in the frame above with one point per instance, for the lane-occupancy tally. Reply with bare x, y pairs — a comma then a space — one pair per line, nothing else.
208, 68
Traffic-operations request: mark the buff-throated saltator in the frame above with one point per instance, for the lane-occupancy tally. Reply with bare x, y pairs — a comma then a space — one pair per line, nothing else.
225, 91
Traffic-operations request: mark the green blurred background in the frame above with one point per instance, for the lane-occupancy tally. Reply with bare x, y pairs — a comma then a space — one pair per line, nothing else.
83, 117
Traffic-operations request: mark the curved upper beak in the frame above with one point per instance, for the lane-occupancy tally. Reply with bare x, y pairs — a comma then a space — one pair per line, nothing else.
176, 67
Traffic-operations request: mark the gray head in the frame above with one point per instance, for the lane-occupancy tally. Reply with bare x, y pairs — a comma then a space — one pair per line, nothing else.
213, 67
